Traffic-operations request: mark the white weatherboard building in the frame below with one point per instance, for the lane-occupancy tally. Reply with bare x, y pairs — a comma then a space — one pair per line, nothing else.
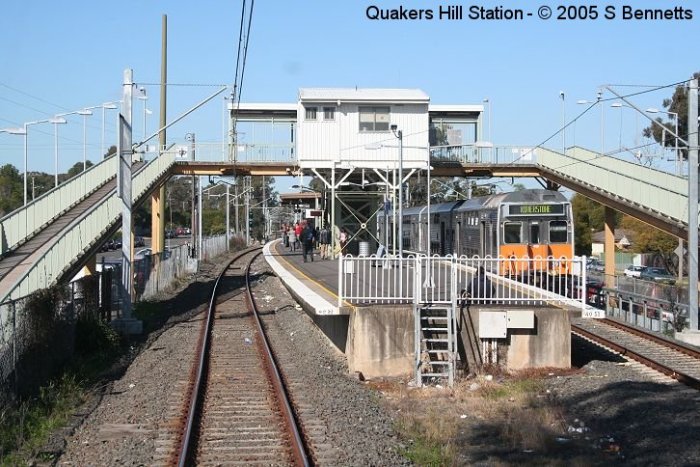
352, 128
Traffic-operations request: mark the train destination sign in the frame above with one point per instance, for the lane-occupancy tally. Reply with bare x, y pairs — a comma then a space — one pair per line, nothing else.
535, 209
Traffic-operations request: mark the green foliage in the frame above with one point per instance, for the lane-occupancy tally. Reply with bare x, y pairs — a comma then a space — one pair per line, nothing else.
589, 217
25, 429
94, 336
10, 189
678, 103
78, 168
426, 453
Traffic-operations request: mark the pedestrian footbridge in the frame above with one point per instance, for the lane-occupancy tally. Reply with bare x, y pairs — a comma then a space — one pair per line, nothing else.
52, 237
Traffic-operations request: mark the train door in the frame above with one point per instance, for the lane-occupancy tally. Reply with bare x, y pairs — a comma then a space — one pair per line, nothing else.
458, 238
483, 236
442, 238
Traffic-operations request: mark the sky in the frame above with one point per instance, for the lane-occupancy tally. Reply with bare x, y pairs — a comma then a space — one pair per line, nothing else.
64, 56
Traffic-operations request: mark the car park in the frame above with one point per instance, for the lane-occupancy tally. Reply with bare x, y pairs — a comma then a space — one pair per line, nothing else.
657, 275
595, 265
139, 241
634, 271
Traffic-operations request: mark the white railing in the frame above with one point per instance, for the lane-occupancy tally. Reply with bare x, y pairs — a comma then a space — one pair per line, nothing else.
511, 281
74, 241
21, 224
258, 152
473, 154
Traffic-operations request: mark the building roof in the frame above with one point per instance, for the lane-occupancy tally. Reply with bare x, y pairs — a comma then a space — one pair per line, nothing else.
363, 95
599, 237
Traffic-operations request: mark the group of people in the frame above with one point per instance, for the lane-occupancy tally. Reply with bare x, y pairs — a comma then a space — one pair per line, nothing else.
303, 235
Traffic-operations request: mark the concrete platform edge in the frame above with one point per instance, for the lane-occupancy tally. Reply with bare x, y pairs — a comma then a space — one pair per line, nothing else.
318, 304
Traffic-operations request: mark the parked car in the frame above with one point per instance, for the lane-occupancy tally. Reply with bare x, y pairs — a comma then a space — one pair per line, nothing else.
142, 254
634, 271
595, 265
657, 275
139, 241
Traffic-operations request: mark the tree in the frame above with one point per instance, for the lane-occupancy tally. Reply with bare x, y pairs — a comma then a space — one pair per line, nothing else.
678, 103
10, 189
589, 217
650, 240
78, 168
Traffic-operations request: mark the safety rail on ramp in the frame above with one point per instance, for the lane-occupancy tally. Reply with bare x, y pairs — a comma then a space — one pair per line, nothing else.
664, 194
22, 223
52, 260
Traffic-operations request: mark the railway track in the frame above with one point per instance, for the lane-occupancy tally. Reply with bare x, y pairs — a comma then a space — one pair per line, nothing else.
675, 360
238, 411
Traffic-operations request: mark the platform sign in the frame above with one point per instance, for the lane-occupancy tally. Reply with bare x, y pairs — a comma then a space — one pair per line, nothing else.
591, 312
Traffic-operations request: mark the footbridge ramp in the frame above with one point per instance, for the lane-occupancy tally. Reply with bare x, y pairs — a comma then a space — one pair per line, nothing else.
46, 239
653, 196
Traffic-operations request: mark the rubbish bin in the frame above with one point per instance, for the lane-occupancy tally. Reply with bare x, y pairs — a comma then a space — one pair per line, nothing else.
364, 249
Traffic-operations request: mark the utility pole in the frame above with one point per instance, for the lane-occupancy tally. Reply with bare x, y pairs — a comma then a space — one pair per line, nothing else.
693, 204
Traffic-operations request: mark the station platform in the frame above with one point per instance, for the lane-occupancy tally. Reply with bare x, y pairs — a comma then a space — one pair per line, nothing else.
314, 283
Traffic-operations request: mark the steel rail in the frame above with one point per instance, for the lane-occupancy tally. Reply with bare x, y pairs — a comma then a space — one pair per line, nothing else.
298, 448
194, 396
625, 351
677, 346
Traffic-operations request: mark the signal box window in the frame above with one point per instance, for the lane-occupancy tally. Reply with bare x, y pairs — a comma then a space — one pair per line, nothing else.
329, 113
512, 232
311, 113
374, 119
557, 232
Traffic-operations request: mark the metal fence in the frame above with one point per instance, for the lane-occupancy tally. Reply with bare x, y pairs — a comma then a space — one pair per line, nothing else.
37, 332
441, 279
155, 273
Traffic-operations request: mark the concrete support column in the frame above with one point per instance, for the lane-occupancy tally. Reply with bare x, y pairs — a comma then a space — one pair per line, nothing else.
158, 220
609, 247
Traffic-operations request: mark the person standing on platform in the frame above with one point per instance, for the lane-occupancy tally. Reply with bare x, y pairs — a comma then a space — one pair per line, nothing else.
324, 239
307, 241
292, 239
297, 230
343, 238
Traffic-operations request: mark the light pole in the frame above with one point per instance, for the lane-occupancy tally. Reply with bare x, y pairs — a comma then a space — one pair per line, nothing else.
563, 121
143, 97
602, 118
678, 172
56, 121
399, 135
85, 113
105, 106
487, 101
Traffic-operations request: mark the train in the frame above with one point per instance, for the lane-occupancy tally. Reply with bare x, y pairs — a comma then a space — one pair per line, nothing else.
520, 226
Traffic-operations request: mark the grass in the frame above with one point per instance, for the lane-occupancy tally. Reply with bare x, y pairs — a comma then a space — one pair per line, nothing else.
25, 430
26, 427
512, 411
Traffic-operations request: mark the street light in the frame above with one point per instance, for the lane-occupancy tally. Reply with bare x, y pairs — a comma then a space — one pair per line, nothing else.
143, 97
105, 106
602, 118
563, 122
399, 135
675, 119
85, 113
56, 121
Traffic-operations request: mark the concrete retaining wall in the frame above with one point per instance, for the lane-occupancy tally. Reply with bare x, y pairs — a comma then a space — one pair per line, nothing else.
380, 341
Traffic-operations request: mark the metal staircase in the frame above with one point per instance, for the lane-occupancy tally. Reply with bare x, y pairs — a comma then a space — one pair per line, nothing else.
435, 342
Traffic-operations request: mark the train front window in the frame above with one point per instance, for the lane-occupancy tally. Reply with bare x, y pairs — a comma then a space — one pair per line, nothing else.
557, 231
535, 233
512, 232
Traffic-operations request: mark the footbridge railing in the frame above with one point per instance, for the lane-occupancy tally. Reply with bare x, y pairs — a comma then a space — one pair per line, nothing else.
440, 279
22, 223
664, 194
52, 260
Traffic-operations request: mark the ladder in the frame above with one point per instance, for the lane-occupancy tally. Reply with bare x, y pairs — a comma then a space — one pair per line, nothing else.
435, 342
